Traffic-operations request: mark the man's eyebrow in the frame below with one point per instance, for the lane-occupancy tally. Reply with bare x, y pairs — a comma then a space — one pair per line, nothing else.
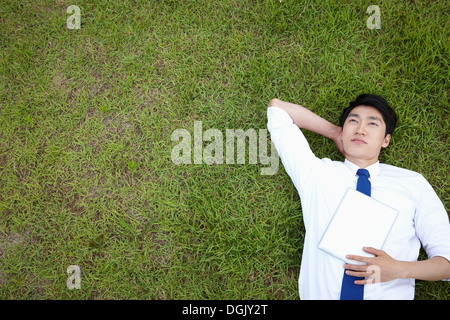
374, 118
369, 117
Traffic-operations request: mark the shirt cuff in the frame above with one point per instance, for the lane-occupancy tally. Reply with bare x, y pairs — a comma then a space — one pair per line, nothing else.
277, 117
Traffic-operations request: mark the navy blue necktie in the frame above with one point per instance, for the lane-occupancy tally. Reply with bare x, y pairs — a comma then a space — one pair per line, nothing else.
350, 290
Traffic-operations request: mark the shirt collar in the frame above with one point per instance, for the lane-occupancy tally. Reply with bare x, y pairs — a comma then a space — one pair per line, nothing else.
373, 169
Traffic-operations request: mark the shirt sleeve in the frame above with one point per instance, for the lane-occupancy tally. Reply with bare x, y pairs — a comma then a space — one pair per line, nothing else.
432, 222
291, 145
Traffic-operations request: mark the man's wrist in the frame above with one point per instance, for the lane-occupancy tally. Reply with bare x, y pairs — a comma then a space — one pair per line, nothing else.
336, 134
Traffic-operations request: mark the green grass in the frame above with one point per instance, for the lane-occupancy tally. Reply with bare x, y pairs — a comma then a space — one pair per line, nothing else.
86, 116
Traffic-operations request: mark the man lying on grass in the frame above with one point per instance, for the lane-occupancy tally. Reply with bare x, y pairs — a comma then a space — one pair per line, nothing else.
365, 127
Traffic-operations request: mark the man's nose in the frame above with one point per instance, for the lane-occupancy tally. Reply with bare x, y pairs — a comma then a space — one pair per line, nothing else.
361, 129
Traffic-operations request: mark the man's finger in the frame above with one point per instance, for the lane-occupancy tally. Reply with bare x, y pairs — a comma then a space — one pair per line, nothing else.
373, 251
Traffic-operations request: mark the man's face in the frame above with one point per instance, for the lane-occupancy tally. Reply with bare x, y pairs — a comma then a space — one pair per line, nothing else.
363, 135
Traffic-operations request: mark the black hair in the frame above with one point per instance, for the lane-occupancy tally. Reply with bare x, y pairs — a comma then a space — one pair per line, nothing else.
379, 103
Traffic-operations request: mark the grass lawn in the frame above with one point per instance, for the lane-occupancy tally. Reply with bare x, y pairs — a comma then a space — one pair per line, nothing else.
86, 118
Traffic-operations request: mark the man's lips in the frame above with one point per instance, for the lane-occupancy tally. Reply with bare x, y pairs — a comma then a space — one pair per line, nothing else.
359, 141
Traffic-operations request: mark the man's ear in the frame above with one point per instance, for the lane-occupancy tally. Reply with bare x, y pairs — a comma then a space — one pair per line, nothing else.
386, 140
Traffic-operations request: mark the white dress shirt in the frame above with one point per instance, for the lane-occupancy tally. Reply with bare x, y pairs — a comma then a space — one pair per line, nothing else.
321, 184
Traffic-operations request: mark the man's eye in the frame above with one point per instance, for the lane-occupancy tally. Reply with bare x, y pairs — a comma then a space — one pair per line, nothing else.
352, 120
